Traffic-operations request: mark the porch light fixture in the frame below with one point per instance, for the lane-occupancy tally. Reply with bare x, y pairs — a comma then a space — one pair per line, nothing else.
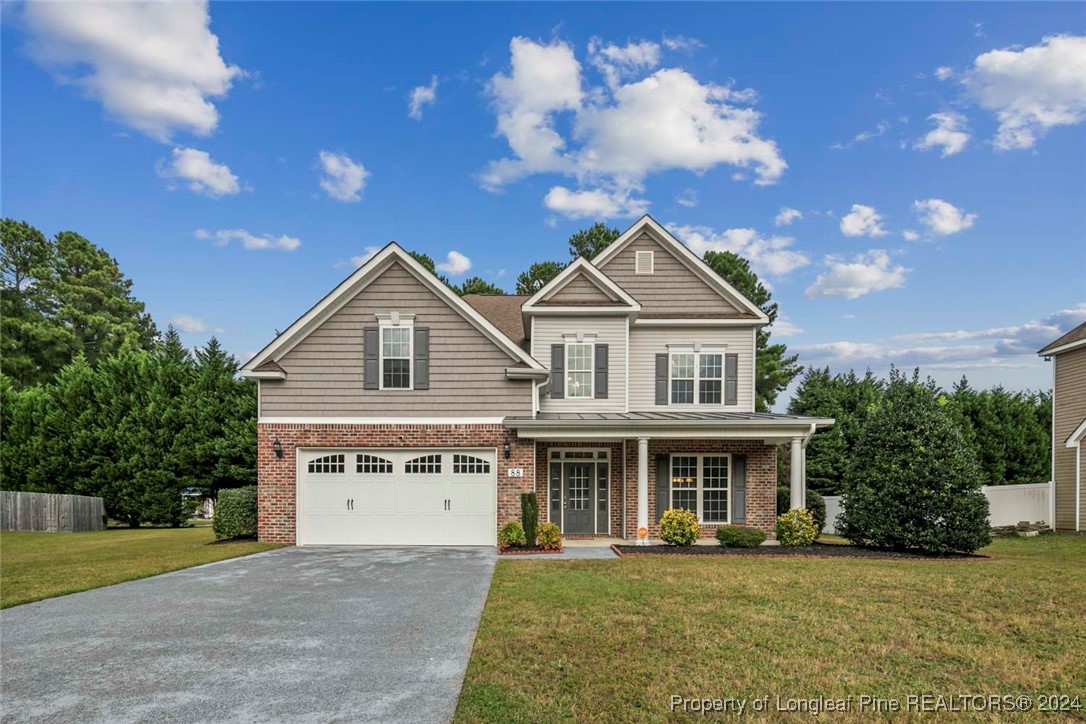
506, 450
278, 448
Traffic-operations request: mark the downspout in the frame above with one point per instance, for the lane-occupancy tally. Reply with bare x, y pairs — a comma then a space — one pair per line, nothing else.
1052, 464
624, 487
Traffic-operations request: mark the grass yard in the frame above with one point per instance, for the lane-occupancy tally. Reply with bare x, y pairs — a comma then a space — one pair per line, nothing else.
34, 566
612, 640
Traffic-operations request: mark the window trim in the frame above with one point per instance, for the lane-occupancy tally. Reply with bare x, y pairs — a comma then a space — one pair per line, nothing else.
697, 378
700, 487
396, 321
591, 344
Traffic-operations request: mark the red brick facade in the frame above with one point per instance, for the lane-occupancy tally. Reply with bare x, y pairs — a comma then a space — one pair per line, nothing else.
276, 476
276, 497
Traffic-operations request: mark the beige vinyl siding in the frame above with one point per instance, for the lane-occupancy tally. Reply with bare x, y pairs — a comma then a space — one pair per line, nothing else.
325, 370
671, 289
1070, 410
578, 290
646, 343
608, 330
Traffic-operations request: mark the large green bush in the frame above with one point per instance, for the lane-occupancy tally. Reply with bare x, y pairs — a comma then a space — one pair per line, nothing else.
739, 536
529, 517
913, 483
679, 527
235, 513
814, 501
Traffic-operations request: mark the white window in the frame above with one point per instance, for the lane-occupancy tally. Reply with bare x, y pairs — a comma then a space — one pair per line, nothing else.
426, 464
699, 483
643, 262
579, 370
327, 464
396, 343
697, 378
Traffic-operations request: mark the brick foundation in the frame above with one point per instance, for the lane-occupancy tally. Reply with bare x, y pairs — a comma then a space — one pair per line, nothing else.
276, 484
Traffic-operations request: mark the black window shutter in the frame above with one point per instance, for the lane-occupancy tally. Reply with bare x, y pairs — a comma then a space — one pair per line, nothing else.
422, 358
739, 489
663, 485
558, 371
731, 379
371, 348
661, 379
601, 372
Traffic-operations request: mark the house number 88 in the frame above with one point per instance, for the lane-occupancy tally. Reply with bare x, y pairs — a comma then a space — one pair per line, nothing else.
516, 472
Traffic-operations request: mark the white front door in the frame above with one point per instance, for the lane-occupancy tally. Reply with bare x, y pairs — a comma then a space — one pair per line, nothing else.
409, 496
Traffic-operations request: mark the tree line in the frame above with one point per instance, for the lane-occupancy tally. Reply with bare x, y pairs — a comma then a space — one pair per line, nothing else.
1008, 432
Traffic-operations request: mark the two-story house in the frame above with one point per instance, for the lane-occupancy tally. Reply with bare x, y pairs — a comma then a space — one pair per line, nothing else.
1067, 501
396, 413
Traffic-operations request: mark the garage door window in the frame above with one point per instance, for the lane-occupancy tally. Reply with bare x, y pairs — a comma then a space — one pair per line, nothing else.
427, 464
468, 464
373, 464
328, 464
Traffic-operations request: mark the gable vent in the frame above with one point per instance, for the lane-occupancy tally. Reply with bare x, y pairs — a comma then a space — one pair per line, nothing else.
643, 262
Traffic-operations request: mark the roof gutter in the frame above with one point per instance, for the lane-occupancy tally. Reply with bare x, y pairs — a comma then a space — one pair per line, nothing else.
813, 423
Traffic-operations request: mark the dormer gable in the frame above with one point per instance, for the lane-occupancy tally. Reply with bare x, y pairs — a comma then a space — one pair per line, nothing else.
581, 288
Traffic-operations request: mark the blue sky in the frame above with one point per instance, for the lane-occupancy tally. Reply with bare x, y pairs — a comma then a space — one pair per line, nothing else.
237, 157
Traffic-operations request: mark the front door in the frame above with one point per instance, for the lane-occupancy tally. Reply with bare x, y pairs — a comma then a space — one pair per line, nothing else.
577, 498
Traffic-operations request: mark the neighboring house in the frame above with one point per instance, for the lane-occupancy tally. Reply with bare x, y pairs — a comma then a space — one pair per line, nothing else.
1068, 355
397, 413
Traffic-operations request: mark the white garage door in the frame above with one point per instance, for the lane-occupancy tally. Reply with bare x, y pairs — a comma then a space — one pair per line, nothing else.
415, 496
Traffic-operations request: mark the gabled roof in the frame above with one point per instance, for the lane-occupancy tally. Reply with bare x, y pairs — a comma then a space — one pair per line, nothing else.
503, 311
1076, 437
391, 254
1072, 340
688, 258
582, 268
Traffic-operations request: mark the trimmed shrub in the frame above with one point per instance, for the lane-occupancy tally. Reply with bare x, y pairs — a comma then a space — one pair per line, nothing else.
235, 513
739, 536
679, 527
914, 483
529, 517
814, 502
511, 534
549, 536
796, 528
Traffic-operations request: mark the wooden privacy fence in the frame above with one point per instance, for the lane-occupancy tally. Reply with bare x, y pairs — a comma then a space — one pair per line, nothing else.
50, 512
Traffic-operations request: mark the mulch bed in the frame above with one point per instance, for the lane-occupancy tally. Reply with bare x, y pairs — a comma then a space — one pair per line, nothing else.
818, 550
528, 551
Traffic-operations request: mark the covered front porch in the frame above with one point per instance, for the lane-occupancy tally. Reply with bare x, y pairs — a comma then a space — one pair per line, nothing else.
611, 475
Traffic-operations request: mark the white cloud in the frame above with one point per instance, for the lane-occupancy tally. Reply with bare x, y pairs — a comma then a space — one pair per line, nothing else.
1031, 89
200, 173
872, 271
688, 198
862, 221
423, 95
785, 327
191, 325
342, 179
682, 43
910, 235
368, 253
455, 264
880, 129
943, 72
772, 256
622, 132
950, 134
250, 241
153, 65
786, 216
593, 204
941, 217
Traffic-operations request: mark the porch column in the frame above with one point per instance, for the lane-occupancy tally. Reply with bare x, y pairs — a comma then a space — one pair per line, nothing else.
797, 494
642, 487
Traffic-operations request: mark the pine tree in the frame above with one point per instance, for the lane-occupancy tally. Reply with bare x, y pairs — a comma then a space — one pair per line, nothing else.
537, 276
591, 241
477, 285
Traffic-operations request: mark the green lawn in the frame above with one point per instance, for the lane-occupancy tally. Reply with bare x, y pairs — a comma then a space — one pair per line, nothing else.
34, 566
612, 640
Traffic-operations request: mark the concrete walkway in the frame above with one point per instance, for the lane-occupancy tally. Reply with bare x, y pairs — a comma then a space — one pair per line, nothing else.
298, 634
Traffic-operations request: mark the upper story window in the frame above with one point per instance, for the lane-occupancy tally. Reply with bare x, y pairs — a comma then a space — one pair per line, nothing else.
696, 378
396, 357
579, 371
643, 262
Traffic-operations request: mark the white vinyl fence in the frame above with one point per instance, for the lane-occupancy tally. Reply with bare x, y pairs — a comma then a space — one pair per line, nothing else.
1007, 505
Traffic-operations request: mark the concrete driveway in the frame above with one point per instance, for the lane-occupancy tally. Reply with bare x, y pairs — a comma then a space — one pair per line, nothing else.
298, 634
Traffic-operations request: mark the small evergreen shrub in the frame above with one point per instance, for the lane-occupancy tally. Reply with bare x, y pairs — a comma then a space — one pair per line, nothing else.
796, 528
511, 534
739, 536
679, 527
235, 513
529, 517
814, 502
549, 536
